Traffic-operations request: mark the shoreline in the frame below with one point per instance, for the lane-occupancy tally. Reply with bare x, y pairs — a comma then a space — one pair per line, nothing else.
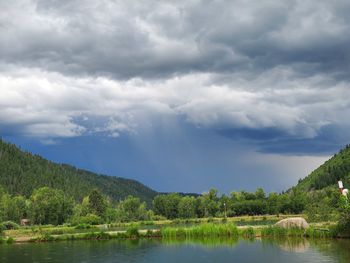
206, 230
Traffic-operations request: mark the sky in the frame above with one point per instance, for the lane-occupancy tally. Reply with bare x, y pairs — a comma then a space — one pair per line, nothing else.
179, 95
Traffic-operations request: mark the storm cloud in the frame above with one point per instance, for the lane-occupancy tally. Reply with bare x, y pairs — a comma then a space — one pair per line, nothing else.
266, 72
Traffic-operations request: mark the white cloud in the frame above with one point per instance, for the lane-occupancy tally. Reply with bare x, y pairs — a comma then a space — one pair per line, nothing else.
44, 104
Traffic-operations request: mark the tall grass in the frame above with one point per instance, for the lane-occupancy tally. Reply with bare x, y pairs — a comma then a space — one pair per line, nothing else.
274, 231
248, 233
202, 230
319, 233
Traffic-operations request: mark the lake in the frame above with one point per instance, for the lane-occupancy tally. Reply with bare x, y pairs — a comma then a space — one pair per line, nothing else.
285, 251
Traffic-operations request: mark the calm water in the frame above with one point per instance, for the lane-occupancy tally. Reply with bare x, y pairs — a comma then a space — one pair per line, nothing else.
287, 251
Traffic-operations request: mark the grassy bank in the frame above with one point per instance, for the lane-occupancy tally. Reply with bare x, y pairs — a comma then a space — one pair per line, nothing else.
231, 230
239, 227
202, 231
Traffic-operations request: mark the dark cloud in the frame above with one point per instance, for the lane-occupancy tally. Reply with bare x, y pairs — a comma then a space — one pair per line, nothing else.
153, 39
328, 141
273, 74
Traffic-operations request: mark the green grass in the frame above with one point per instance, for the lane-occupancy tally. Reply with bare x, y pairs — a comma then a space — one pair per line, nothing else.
132, 232
275, 231
216, 228
319, 233
248, 232
312, 232
202, 230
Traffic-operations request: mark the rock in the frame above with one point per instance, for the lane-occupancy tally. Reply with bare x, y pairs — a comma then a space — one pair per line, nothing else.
293, 222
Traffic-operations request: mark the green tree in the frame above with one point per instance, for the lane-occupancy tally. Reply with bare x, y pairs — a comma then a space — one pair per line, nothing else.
297, 201
50, 206
272, 203
260, 194
344, 220
210, 203
187, 207
97, 203
20, 206
132, 209
167, 205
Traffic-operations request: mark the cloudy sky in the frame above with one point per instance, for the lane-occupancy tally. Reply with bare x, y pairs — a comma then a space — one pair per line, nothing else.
180, 95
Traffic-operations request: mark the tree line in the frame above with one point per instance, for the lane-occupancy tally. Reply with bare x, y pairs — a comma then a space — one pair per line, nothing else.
237, 203
52, 206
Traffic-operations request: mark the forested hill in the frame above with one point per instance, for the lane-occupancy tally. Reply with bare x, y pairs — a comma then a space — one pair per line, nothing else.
22, 172
336, 168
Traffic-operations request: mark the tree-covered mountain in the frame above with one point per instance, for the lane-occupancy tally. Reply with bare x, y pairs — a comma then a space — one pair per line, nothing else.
22, 172
335, 169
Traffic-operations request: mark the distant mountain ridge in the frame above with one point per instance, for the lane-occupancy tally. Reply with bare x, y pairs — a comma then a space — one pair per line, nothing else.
335, 169
22, 172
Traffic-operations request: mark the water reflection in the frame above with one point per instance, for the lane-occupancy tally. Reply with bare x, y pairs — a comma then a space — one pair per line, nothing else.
206, 242
296, 245
287, 250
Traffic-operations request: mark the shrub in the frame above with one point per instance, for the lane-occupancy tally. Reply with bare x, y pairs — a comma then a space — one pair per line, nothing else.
158, 218
83, 226
90, 219
248, 232
276, 231
318, 233
8, 225
210, 219
10, 240
133, 232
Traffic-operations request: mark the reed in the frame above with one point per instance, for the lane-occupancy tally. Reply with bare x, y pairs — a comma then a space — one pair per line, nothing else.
318, 233
248, 232
275, 231
202, 230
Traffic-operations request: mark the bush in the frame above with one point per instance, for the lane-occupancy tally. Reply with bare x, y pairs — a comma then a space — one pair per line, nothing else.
210, 220
89, 219
318, 233
158, 218
83, 226
248, 232
8, 225
10, 240
133, 232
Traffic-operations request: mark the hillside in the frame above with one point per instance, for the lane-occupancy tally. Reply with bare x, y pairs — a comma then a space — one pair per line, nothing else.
336, 168
22, 172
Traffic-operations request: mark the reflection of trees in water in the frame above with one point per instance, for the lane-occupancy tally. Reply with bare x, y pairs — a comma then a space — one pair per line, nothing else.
207, 242
336, 248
